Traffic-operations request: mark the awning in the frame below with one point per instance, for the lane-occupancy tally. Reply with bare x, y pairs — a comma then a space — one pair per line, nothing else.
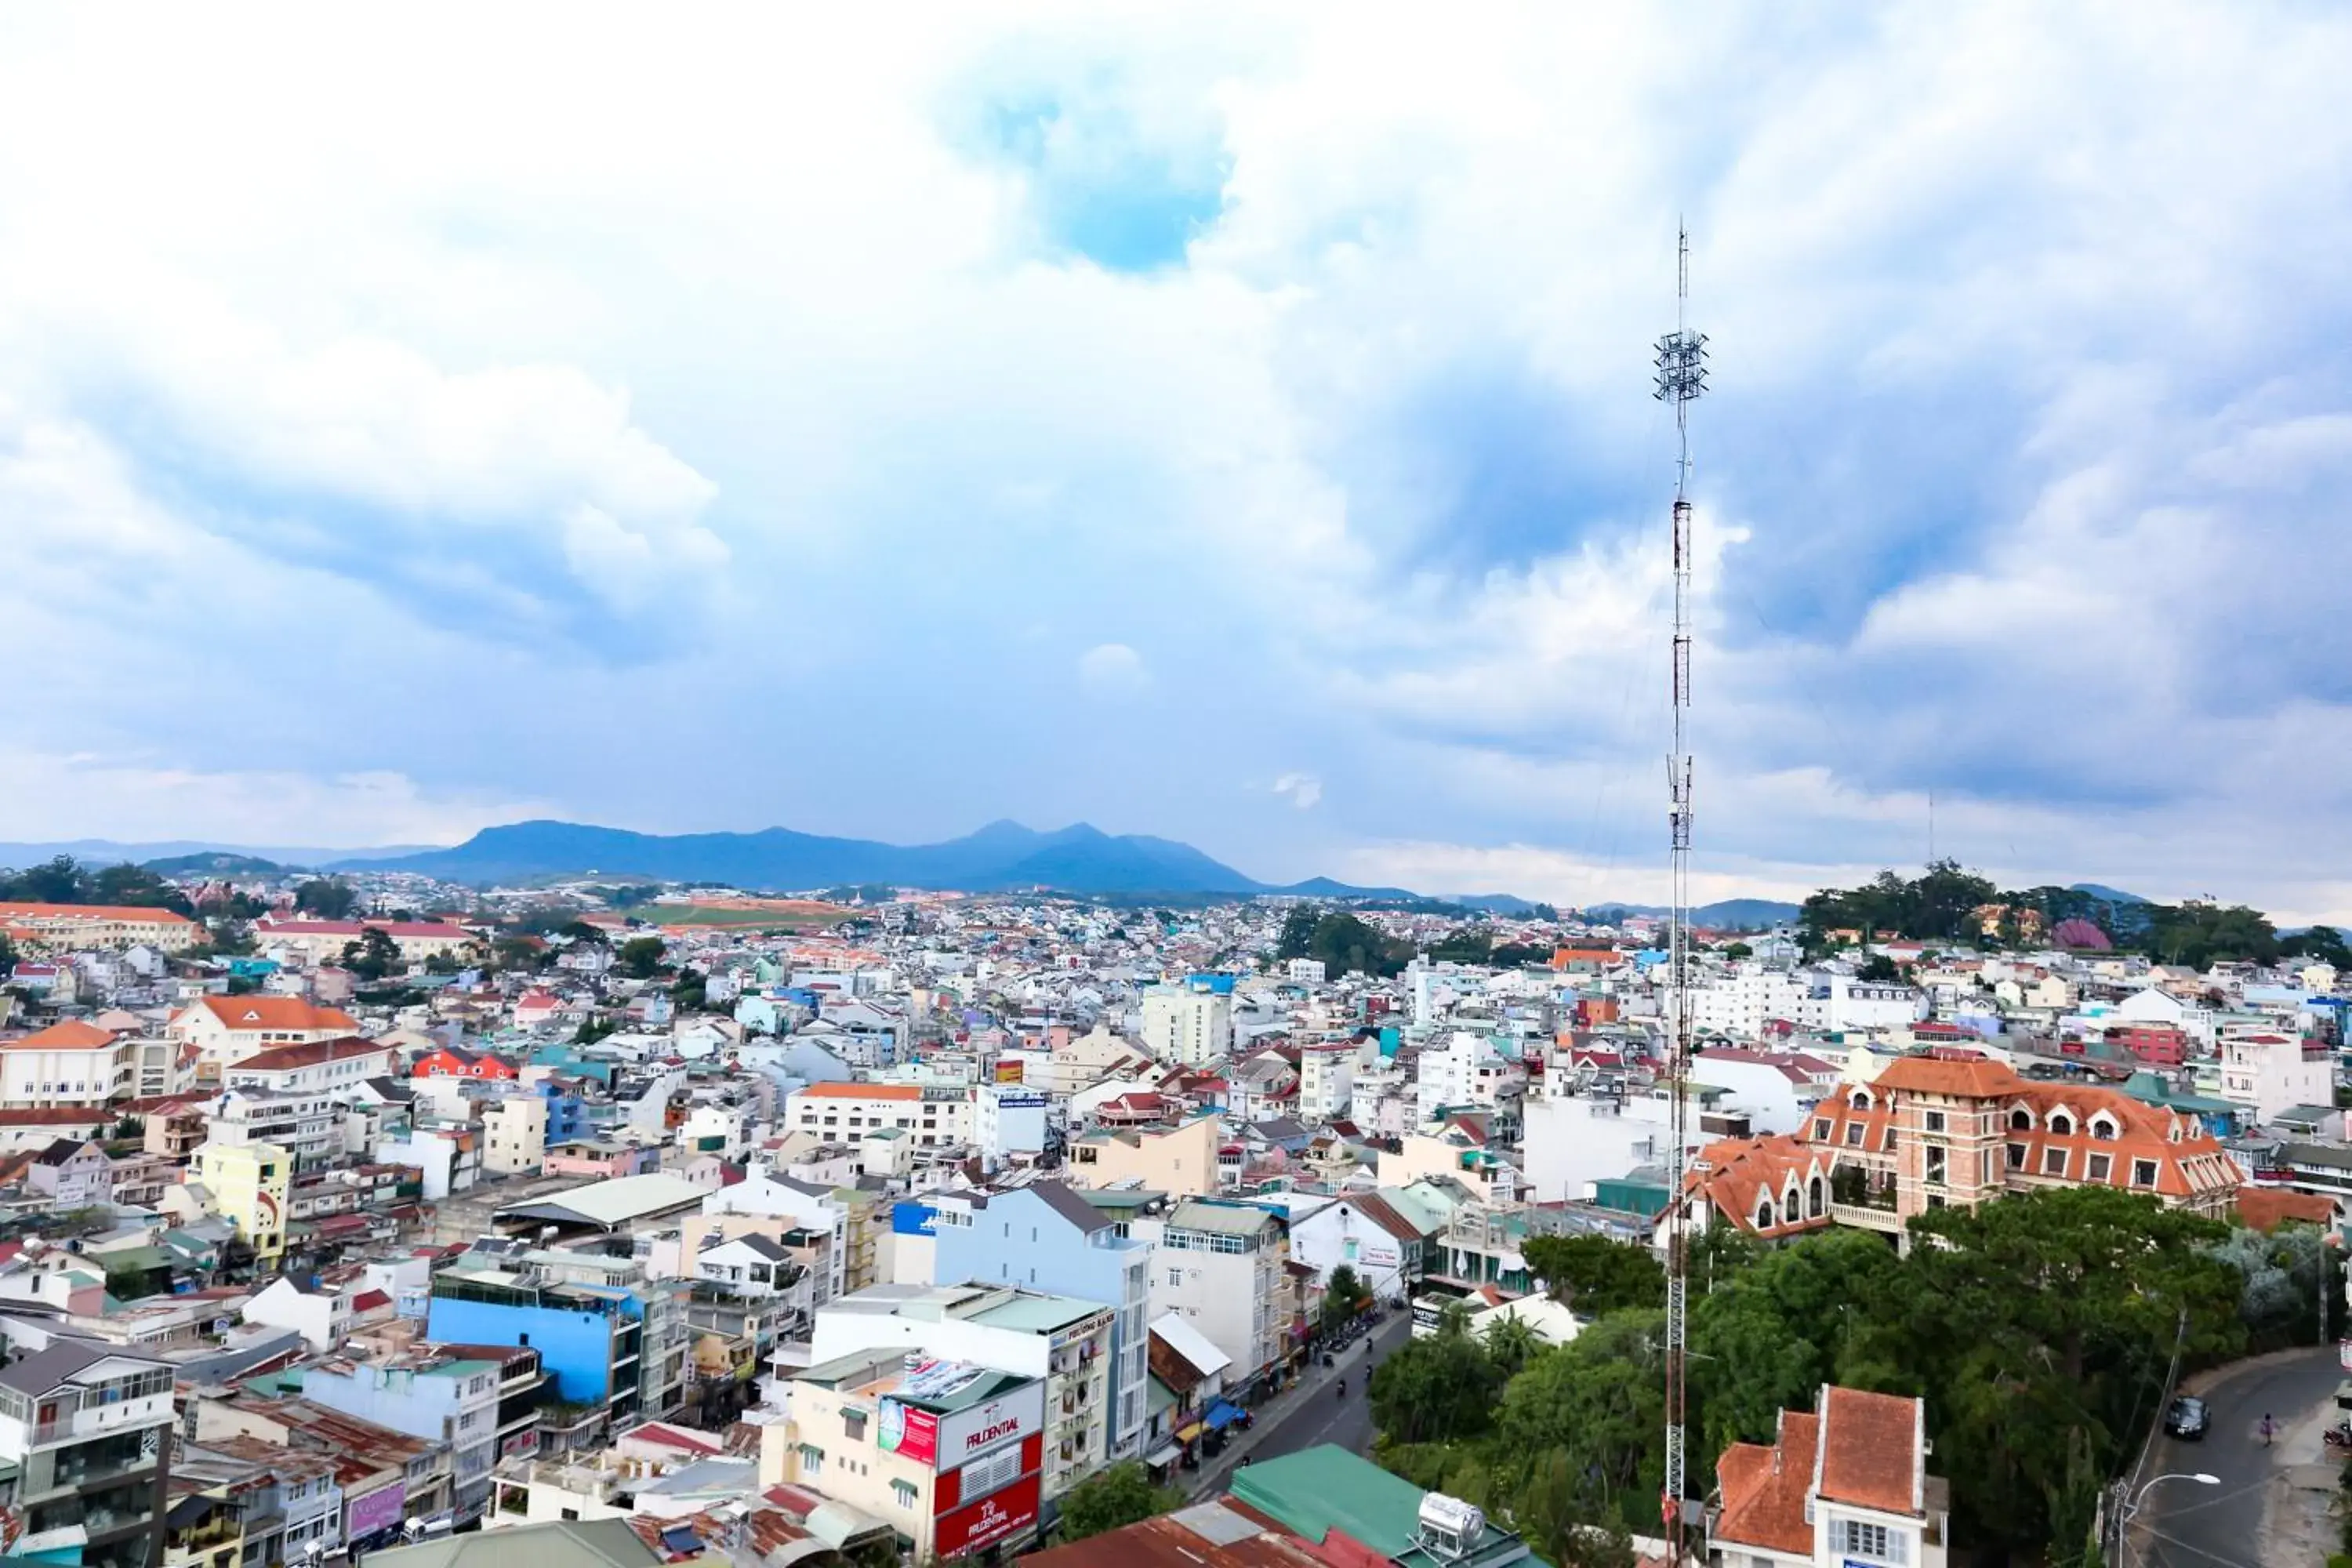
1188, 1433
1162, 1457
1222, 1415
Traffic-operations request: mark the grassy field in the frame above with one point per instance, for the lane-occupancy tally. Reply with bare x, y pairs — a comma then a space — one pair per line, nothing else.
748, 914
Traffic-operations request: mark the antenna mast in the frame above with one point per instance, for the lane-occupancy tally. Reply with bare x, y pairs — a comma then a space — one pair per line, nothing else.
1682, 376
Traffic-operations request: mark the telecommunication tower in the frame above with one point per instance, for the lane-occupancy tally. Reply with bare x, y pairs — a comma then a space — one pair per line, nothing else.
1682, 377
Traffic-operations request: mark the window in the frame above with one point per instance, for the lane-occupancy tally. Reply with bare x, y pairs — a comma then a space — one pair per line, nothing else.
1855, 1538
1821, 1132
1853, 1136
2053, 1162
904, 1492
812, 1460
2143, 1172
2017, 1156
1935, 1166
1175, 1278
1934, 1120
1764, 1214
2063, 1125
2100, 1165
853, 1425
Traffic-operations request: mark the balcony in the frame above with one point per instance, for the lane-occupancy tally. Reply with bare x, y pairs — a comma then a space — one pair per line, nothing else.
1867, 1217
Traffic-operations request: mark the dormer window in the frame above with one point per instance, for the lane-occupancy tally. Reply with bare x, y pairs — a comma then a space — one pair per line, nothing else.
1861, 1099
2062, 1124
2103, 1127
2020, 1121
1764, 1213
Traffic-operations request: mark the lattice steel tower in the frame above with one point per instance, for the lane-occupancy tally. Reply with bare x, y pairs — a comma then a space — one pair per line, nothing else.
1682, 376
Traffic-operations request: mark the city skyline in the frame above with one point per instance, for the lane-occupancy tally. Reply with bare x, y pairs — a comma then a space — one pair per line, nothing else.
1223, 424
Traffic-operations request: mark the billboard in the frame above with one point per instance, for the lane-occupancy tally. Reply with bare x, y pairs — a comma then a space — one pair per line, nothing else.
992, 1519
382, 1508
983, 1429
1009, 1069
909, 1433
914, 1219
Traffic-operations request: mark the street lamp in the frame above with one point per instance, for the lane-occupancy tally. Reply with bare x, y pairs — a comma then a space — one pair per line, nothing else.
2131, 1510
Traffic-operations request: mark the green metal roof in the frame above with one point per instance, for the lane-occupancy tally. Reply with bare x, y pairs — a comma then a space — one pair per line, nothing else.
1039, 1314
1326, 1488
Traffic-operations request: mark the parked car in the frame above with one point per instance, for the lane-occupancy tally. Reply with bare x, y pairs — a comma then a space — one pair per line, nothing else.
2187, 1419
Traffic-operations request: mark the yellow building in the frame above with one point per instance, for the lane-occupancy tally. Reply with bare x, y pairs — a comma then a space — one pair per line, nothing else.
249, 1184
1181, 1160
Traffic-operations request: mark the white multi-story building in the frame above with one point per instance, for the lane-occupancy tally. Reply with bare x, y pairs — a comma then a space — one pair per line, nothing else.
1466, 1071
1219, 1266
1839, 1003
1191, 1023
68, 1064
2271, 1070
514, 1134
1064, 1341
307, 1126
1742, 1003
1327, 1079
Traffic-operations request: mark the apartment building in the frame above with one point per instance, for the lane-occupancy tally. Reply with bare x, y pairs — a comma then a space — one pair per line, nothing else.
1046, 1238
1179, 1159
950, 1453
84, 1438
432, 1392
1190, 1022
1219, 1266
1061, 1341
249, 1184
932, 1117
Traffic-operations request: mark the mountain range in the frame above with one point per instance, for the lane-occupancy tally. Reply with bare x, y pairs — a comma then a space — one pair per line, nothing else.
1081, 859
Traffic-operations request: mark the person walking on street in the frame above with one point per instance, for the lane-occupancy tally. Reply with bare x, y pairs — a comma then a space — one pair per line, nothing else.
2267, 1429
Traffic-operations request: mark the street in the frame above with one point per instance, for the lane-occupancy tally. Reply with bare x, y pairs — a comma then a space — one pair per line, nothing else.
2258, 1517
1314, 1412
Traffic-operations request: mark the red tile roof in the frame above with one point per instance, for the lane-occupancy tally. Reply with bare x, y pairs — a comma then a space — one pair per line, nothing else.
277, 1014
1764, 1489
1870, 1450
1982, 1078
278, 1059
2267, 1208
73, 1035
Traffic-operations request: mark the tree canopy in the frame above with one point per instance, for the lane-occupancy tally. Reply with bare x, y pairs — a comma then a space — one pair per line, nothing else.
1595, 1275
2039, 1328
63, 879
1122, 1495
329, 897
1344, 942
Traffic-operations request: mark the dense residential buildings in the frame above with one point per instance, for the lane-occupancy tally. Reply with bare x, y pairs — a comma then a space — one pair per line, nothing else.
550, 1209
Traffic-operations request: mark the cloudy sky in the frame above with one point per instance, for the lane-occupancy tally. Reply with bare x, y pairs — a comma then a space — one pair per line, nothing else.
1232, 425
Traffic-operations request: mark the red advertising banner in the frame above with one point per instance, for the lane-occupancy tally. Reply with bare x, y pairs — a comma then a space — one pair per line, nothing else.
909, 1432
990, 1520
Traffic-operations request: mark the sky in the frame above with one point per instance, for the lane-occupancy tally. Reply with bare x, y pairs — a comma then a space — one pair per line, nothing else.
1226, 423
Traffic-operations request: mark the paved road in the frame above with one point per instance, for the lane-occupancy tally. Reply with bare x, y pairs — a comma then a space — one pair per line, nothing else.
1314, 1412
2192, 1526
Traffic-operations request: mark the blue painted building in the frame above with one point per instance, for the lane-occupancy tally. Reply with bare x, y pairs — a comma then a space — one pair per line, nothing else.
590, 1340
567, 1113
1048, 1237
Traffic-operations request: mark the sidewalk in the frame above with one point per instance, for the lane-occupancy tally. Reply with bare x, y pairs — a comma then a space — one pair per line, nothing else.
1313, 1387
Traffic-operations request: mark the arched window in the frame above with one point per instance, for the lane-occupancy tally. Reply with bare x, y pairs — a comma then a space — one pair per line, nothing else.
1764, 1211
1860, 1099
2020, 1121
2103, 1126
2062, 1124
1792, 1208
1814, 1198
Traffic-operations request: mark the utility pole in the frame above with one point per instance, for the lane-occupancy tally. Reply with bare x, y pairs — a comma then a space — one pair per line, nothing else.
1681, 378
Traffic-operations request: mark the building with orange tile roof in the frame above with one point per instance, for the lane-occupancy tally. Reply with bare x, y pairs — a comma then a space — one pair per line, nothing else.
1932, 1132
70, 928
68, 1064
226, 1030
1847, 1483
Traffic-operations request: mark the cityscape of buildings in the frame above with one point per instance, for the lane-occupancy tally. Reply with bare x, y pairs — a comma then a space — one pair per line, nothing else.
883, 1225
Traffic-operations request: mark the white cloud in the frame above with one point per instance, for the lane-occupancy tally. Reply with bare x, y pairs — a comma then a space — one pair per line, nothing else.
57, 797
1304, 791
1112, 669
721, 357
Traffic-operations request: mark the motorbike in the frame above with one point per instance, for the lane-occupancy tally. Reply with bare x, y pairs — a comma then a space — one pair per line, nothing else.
1343, 1388
2338, 1436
